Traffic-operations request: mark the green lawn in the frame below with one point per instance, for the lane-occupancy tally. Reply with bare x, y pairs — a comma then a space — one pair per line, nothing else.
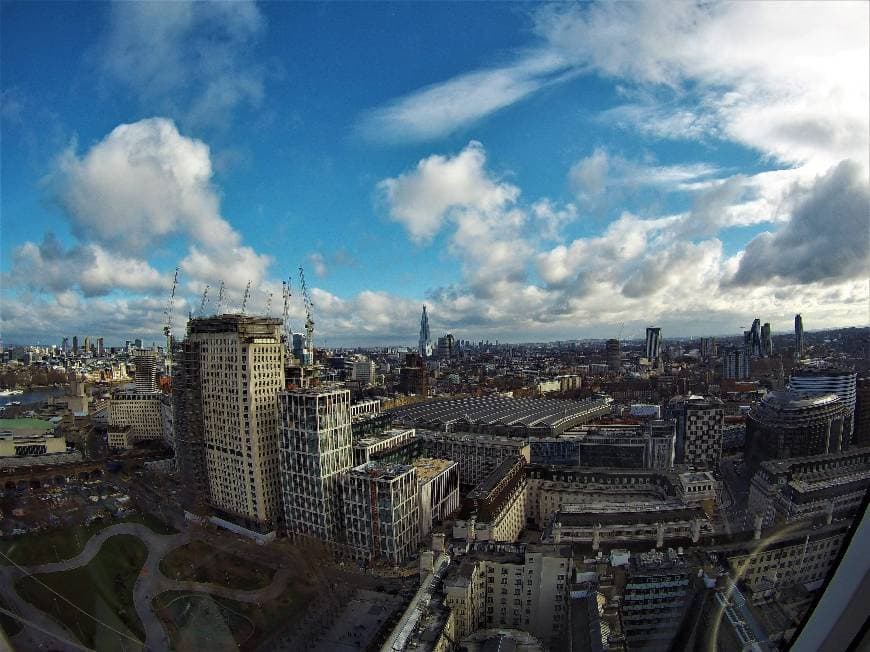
103, 588
65, 543
200, 562
186, 629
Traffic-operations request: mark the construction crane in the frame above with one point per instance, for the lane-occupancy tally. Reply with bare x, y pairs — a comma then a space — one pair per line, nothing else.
309, 321
220, 303
269, 304
245, 297
167, 323
203, 302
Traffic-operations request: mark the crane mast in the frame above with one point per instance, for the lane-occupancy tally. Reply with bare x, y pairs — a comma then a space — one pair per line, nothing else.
245, 297
220, 302
203, 302
309, 320
167, 323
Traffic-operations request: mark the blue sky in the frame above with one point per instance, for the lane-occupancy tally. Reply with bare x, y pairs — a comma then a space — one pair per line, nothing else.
531, 172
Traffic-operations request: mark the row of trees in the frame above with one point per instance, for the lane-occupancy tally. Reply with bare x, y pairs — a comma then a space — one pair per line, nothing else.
27, 377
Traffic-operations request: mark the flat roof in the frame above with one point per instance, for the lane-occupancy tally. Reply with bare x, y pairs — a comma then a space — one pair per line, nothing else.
26, 426
429, 467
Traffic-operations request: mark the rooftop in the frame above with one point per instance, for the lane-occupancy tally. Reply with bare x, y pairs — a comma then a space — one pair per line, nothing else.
429, 467
379, 470
26, 426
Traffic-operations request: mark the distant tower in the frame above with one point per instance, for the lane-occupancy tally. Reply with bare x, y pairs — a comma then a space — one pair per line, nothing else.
613, 354
653, 343
755, 338
145, 374
798, 336
101, 349
65, 345
425, 345
766, 341
75, 343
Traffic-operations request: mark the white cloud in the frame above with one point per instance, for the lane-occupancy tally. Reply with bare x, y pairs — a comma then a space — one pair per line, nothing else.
187, 59
424, 199
318, 262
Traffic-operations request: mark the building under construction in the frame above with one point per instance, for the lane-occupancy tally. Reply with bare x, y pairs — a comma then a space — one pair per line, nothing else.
229, 370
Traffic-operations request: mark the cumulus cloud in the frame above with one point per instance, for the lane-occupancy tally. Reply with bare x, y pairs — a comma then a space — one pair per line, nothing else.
188, 59
826, 240
423, 199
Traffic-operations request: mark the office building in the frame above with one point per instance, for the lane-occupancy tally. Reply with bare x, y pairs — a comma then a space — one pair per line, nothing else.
75, 345
699, 421
477, 454
134, 416
650, 445
826, 379
445, 349
613, 353
101, 350
382, 511
709, 348
525, 587
789, 424
766, 341
656, 596
438, 484
735, 364
364, 371
755, 349
189, 424
814, 487
653, 344
145, 376
316, 453
230, 370
424, 346
798, 337
495, 510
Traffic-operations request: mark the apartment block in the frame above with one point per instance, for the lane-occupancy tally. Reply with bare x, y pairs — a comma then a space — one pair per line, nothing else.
316, 453
438, 483
699, 423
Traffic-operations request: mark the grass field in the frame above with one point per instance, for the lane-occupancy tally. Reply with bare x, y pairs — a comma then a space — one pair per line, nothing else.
103, 588
200, 562
65, 543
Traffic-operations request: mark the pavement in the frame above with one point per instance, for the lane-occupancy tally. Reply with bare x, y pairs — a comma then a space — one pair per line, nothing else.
43, 632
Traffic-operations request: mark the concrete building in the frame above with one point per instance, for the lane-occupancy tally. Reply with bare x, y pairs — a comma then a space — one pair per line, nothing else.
698, 489
521, 587
766, 341
233, 369
655, 599
438, 485
736, 365
495, 509
613, 354
708, 349
382, 511
29, 437
446, 347
381, 446
477, 453
788, 424
141, 411
699, 423
424, 346
364, 371
650, 445
316, 453
798, 337
861, 432
813, 487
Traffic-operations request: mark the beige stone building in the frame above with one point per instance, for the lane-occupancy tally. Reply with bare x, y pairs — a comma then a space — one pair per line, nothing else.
496, 509
134, 416
240, 370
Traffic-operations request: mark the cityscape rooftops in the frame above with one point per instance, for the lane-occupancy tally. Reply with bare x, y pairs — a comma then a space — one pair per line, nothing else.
790, 400
380, 470
430, 467
26, 427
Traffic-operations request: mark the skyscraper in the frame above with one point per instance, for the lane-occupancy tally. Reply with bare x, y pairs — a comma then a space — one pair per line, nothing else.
237, 363
699, 422
424, 347
755, 338
614, 355
766, 341
101, 350
798, 336
145, 374
824, 379
75, 343
735, 364
653, 343
316, 453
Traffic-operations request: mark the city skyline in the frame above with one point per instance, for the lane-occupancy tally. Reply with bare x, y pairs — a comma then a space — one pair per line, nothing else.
523, 171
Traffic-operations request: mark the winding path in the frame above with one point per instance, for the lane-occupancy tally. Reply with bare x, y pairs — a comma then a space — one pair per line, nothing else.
48, 633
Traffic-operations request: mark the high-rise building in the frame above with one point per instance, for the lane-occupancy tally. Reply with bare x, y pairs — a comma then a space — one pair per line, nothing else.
145, 375
735, 364
137, 343
101, 351
382, 511
755, 338
699, 422
236, 363
87, 344
825, 379
75, 343
790, 424
861, 431
364, 371
766, 341
798, 336
65, 345
653, 344
424, 346
316, 453
613, 353
708, 348
445, 347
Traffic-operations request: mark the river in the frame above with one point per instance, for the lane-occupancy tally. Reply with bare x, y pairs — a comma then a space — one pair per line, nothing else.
33, 397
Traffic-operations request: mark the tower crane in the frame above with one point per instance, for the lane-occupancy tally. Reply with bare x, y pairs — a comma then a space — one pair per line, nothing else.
286, 293
309, 321
245, 297
167, 323
269, 304
220, 303
203, 302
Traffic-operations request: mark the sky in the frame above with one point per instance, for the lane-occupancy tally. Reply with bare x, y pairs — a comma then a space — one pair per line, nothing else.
530, 172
